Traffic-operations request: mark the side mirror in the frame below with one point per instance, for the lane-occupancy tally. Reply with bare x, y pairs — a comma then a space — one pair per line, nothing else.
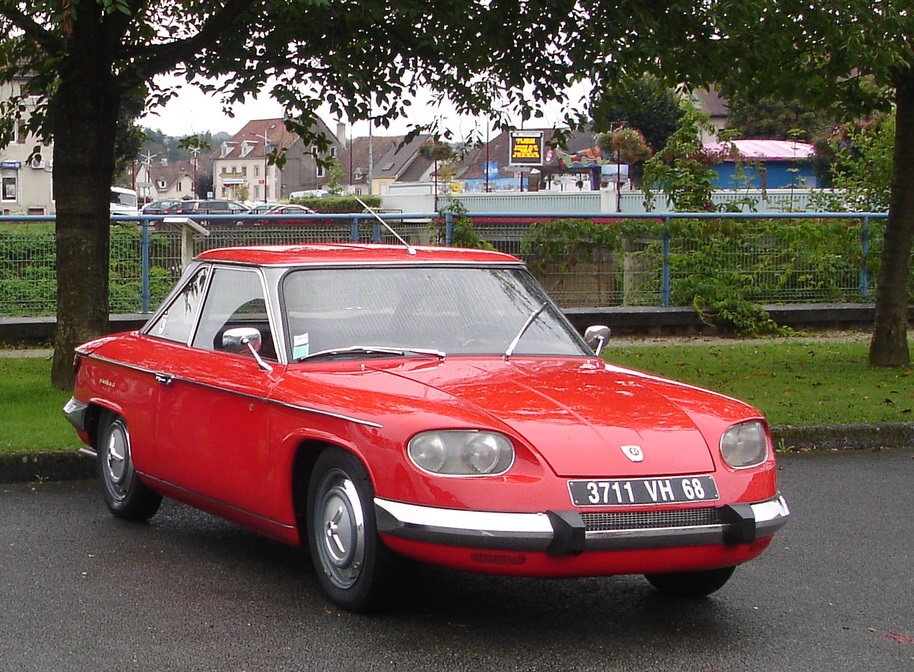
596, 337
241, 339
245, 339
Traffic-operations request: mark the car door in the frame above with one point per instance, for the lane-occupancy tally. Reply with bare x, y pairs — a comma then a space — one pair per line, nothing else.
213, 413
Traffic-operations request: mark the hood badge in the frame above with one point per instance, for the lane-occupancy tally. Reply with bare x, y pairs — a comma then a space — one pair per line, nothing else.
634, 453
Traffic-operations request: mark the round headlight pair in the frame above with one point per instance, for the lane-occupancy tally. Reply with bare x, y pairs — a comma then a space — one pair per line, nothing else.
745, 445
461, 453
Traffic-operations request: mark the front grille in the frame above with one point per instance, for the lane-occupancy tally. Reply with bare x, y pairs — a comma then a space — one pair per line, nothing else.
647, 520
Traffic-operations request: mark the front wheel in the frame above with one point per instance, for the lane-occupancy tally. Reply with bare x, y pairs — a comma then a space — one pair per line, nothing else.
353, 565
125, 494
691, 584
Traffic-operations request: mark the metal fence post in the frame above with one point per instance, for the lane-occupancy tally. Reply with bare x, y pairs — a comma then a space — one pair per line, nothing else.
865, 248
144, 266
448, 228
665, 272
354, 230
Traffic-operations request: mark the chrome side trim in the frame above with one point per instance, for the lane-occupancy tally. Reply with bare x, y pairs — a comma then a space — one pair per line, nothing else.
563, 532
327, 414
169, 379
75, 412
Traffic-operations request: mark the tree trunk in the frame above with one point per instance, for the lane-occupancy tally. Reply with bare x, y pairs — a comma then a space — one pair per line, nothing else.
889, 346
83, 113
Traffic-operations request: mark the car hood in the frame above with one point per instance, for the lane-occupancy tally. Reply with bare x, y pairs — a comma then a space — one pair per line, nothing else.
581, 416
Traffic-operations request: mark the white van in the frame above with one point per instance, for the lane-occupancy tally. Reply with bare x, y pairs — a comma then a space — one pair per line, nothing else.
123, 201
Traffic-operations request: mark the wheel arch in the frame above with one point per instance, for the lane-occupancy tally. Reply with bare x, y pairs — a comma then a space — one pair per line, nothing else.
95, 411
306, 454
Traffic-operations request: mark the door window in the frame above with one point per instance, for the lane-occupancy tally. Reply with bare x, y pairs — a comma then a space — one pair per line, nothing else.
235, 299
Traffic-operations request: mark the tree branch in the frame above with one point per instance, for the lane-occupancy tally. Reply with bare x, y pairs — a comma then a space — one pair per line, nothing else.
158, 59
51, 43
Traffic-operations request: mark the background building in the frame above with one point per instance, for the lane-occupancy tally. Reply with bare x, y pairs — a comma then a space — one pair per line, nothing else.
25, 177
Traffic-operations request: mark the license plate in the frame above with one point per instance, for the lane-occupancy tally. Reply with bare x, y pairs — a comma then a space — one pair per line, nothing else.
681, 489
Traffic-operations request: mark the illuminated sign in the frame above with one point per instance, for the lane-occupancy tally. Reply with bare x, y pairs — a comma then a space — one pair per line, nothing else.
526, 148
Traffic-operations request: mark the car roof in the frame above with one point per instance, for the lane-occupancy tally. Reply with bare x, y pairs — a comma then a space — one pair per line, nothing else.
351, 253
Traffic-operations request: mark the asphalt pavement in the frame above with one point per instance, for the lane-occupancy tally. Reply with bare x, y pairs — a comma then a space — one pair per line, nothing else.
186, 592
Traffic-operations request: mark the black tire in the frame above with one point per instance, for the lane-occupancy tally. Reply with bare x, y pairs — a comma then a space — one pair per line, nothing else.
125, 494
691, 584
354, 567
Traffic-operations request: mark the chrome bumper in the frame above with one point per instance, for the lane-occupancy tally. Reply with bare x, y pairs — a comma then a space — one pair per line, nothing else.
75, 412
566, 532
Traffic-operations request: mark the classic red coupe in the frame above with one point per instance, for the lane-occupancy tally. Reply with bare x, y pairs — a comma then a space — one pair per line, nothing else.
376, 402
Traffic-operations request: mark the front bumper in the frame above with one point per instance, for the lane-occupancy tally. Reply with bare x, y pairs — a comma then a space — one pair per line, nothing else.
572, 532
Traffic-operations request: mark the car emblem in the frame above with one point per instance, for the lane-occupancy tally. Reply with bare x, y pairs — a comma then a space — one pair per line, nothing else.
634, 453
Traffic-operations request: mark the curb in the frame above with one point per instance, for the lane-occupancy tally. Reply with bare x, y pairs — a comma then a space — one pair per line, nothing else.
844, 437
28, 467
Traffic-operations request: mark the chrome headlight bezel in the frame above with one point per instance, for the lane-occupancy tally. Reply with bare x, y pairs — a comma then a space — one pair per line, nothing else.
461, 453
745, 445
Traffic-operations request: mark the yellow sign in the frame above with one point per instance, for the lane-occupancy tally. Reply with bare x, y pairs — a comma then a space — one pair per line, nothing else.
526, 148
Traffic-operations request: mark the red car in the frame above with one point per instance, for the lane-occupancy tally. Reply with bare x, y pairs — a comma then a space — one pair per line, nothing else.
381, 402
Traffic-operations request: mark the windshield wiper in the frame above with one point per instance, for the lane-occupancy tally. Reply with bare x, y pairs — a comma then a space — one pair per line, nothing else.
372, 351
523, 330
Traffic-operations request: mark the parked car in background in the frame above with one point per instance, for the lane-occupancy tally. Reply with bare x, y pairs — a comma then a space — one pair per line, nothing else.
165, 206
379, 402
260, 208
282, 214
212, 207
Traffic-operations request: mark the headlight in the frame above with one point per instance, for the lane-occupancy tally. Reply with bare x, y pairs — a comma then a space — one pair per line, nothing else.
744, 445
461, 453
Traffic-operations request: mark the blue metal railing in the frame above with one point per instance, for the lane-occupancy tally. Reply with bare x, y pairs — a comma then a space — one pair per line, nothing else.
154, 254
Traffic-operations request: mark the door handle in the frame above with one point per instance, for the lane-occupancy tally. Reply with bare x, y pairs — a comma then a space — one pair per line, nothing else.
164, 378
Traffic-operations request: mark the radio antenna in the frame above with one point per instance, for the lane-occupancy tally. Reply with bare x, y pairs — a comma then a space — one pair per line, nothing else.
409, 248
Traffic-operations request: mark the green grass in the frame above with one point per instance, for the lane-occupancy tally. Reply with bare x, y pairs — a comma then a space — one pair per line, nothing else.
31, 418
793, 381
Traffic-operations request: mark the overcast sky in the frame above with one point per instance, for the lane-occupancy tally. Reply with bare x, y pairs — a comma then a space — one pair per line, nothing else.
193, 111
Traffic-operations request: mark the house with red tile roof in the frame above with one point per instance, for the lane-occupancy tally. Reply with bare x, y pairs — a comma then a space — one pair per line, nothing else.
243, 169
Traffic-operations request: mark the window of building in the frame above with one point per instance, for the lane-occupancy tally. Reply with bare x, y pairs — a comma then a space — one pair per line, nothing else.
10, 186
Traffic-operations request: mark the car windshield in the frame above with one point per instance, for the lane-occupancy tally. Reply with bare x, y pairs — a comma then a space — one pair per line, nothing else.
452, 310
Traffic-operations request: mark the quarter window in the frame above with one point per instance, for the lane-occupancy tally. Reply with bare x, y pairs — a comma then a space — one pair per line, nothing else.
177, 322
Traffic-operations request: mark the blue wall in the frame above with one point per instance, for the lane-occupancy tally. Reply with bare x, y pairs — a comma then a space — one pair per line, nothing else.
777, 175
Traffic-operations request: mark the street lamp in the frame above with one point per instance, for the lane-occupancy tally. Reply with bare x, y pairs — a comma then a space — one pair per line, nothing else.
195, 151
263, 136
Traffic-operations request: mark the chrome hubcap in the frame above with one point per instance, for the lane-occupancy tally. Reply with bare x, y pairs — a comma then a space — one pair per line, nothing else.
117, 459
341, 526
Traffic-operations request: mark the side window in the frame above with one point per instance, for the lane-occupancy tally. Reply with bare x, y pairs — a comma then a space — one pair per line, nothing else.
235, 299
176, 323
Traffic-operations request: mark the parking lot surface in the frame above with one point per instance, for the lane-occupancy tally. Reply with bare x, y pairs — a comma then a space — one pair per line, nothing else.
83, 591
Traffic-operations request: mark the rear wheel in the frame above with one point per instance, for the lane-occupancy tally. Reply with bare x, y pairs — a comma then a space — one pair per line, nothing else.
353, 565
691, 584
125, 494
